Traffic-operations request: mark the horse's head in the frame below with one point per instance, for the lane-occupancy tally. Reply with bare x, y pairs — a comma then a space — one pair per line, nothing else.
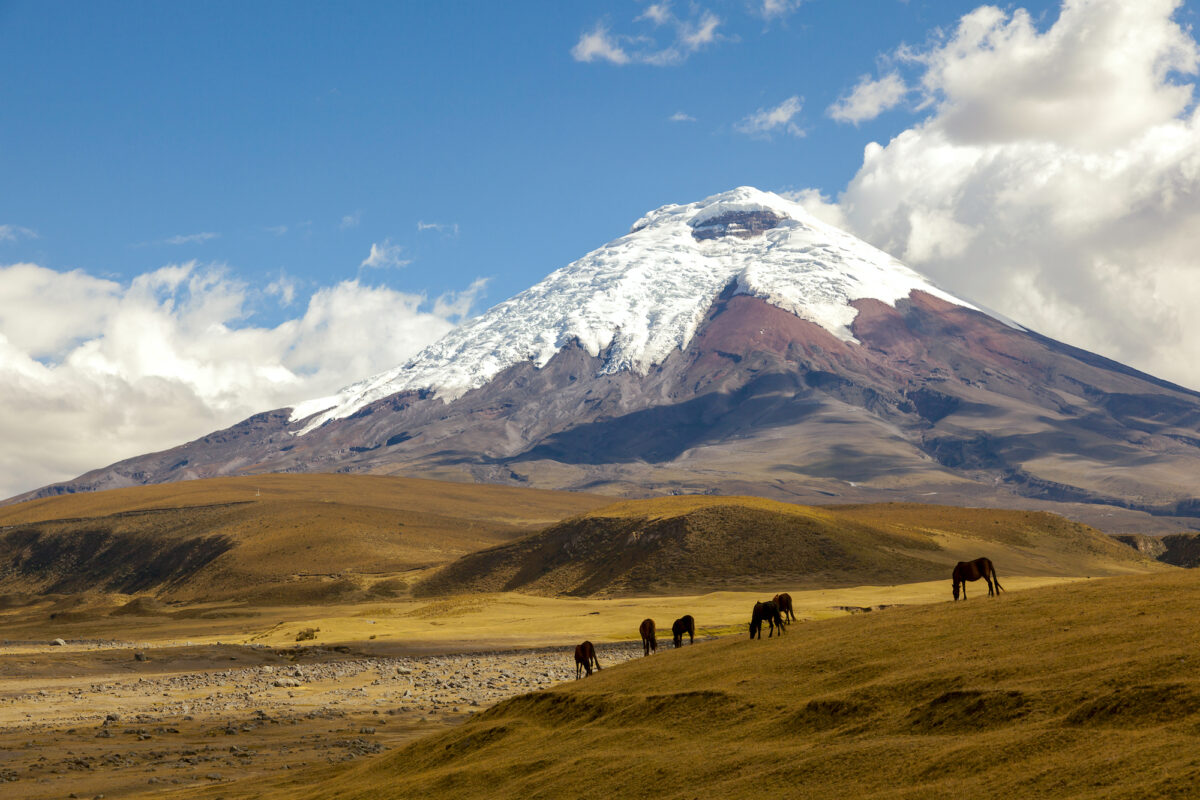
955, 589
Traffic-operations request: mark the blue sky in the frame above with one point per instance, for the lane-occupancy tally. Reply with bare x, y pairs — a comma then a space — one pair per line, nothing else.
210, 209
126, 126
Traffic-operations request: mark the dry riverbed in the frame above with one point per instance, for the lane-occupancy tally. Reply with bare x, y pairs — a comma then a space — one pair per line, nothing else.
87, 719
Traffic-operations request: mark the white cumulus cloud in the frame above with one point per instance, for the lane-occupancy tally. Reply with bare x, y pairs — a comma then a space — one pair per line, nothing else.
93, 371
1055, 176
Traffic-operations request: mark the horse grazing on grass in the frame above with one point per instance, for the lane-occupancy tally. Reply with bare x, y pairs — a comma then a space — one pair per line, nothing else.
784, 601
585, 656
972, 571
649, 640
766, 612
684, 624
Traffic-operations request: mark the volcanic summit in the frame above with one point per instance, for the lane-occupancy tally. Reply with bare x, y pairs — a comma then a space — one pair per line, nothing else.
740, 345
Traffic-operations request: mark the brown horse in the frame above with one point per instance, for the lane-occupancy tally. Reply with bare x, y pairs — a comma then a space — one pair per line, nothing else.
972, 571
585, 656
766, 612
649, 640
784, 601
684, 624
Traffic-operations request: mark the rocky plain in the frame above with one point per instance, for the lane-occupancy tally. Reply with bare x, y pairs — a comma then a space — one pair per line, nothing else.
112, 719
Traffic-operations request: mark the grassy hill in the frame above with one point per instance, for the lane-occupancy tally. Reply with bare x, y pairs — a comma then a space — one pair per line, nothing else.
276, 538
674, 545
1088, 689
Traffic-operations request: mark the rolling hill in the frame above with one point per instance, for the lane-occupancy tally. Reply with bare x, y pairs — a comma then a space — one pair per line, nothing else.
278, 538
680, 545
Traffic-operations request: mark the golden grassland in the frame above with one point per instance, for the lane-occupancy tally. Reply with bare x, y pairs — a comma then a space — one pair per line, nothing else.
283, 540
513, 506
1068, 685
442, 624
275, 538
685, 545
1084, 689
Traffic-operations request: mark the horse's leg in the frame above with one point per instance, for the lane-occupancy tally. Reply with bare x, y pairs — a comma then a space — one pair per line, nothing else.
991, 589
996, 580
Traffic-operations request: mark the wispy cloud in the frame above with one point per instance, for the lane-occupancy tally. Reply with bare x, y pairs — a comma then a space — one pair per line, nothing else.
283, 287
188, 238
385, 254
191, 238
278, 230
658, 13
10, 233
680, 116
446, 228
776, 9
688, 36
350, 221
598, 45
766, 121
869, 98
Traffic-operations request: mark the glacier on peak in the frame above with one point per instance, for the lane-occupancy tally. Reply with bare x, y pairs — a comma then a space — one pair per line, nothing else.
643, 295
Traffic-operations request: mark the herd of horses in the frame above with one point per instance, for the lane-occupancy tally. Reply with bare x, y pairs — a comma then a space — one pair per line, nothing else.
777, 612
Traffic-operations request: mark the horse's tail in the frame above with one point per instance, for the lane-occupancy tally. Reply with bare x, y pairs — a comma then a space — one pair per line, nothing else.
996, 580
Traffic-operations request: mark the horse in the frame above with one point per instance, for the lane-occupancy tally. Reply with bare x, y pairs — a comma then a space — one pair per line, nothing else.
649, 640
585, 656
972, 571
684, 624
784, 601
765, 612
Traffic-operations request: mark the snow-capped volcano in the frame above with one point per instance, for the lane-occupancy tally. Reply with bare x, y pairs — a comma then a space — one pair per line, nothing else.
642, 296
739, 345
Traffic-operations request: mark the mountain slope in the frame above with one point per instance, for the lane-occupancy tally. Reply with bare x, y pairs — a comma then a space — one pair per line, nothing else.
739, 346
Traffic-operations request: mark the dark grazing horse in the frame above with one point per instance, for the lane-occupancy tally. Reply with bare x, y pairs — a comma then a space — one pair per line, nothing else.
684, 624
972, 571
585, 656
649, 640
766, 612
784, 601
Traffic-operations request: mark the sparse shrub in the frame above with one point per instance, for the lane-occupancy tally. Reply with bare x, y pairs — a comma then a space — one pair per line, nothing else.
306, 634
